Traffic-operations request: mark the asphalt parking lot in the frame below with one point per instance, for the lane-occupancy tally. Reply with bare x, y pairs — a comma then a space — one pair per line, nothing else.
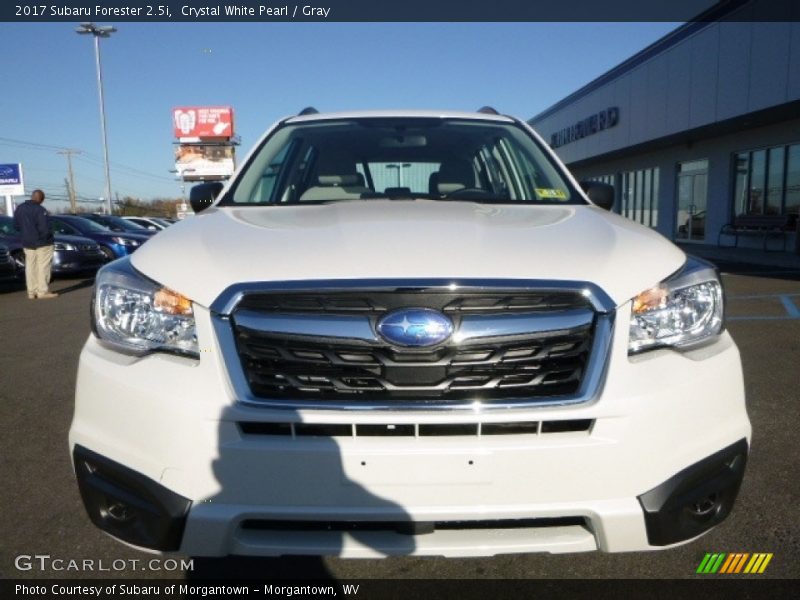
42, 513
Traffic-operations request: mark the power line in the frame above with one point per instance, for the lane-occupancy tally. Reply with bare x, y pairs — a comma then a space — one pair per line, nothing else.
120, 168
90, 158
33, 144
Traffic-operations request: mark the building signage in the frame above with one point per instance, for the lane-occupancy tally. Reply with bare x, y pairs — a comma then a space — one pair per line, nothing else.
204, 162
605, 119
196, 123
11, 183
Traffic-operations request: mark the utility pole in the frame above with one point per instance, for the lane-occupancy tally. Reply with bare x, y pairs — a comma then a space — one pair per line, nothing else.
73, 194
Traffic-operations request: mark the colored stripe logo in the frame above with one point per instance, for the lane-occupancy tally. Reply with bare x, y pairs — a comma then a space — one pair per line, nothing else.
734, 563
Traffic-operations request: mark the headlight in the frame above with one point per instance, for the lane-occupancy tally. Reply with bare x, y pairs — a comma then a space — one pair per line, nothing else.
64, 246
126, 241
681, 311
135, 315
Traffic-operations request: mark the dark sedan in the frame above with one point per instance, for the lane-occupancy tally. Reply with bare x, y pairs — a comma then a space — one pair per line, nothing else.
8, 269
71, 254
113, 244
119, 224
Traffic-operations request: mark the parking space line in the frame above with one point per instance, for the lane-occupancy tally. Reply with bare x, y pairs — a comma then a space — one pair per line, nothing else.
790, 306
787, 301
757, 296
760, 318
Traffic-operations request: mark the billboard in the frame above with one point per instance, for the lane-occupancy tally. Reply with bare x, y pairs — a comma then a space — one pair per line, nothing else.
11, 183
204, 162
193, 123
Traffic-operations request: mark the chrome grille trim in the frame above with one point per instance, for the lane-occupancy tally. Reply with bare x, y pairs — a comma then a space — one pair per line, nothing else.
587, 392
358, 327
227, 301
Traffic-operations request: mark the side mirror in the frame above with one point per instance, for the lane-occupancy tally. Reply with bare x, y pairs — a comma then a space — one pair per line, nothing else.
601, 194
203, 195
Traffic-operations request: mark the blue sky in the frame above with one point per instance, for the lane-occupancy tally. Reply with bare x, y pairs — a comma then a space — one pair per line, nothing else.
267, 71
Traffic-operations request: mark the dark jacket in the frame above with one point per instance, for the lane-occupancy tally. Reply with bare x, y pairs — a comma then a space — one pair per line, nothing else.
31, 220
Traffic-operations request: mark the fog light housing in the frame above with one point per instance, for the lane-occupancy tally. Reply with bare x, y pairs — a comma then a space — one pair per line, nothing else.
128, 505
695, 499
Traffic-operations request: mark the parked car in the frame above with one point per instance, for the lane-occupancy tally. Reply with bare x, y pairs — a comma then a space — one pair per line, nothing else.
8, 269
466, 355
113, 244
72, 254
152, 223
118, 224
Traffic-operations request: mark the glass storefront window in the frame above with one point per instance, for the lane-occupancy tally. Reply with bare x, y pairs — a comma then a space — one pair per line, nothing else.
742, 170
639, 200
774, 181
793, 180
758, 170
767, 181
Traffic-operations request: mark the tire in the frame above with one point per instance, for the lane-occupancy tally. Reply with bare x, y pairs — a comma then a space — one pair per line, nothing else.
109, 253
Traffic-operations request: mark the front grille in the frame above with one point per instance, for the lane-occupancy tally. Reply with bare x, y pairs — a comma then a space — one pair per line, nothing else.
90, 248
376, 303
309, 364
5, 257
408, 527
371, 430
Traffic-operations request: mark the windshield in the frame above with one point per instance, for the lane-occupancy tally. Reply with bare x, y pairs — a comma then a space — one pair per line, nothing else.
86, 225
363, 159
7, 226
118, 223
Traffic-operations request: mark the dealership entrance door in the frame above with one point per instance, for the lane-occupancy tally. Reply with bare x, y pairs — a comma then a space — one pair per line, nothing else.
692, 201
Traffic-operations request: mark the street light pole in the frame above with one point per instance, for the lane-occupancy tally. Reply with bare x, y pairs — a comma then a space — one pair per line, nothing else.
98, 32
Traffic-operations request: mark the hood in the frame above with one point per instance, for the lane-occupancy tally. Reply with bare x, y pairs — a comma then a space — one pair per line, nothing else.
123, 234
406, 239
12, 243
74, 239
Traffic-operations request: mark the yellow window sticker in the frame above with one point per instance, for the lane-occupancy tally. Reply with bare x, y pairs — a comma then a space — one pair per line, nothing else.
551, 193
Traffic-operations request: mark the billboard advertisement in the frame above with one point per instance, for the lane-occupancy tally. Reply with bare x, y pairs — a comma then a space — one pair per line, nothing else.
11, 183
204, 162
202, 122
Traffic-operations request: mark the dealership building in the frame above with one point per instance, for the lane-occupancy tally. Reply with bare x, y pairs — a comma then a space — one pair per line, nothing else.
699, 129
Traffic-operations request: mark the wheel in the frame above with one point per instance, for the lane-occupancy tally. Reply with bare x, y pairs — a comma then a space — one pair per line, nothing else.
19, 259
109, 253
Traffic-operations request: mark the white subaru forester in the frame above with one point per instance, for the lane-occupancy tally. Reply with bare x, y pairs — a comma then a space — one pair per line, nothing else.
407, 333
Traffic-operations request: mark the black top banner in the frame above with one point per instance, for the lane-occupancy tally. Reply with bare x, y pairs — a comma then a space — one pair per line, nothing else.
398, 10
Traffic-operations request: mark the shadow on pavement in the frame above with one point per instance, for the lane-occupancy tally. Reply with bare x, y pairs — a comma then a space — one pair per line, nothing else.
246, 567
76, 286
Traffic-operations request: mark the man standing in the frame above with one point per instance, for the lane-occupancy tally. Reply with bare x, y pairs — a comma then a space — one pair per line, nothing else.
37, 240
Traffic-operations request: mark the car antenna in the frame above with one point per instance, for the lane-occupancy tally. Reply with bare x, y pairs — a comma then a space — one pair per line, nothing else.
308, 110
488, 110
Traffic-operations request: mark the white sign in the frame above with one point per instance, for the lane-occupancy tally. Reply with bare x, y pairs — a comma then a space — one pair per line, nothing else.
11, 182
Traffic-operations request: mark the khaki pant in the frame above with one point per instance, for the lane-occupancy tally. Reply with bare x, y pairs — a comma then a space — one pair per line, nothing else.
37, 269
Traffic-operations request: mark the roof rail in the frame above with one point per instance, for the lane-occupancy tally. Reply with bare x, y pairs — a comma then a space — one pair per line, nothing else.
488, 110
308, 110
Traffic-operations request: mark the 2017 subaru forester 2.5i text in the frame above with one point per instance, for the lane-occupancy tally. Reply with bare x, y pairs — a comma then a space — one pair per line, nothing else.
407, 333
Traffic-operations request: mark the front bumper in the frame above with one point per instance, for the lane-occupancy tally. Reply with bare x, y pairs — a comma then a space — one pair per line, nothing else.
69, 261
8, 270
121, 250
256, 489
